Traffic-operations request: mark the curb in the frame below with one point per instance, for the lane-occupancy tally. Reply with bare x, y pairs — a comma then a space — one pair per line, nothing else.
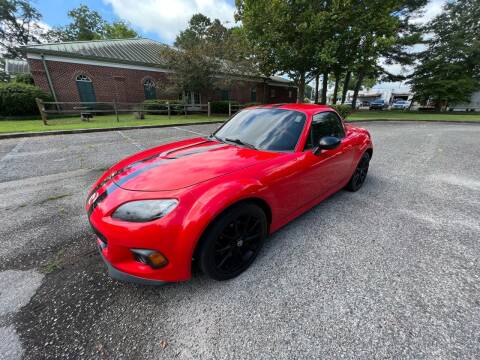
82, 131
399, 121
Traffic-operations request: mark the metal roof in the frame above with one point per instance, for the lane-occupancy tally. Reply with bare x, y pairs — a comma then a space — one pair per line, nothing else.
128, 51
14, 66
280, 79
137, 51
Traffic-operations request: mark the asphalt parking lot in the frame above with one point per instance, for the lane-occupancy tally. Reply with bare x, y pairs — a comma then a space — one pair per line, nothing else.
391, 271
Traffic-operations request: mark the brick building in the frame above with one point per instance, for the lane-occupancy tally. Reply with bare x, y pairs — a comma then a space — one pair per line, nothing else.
129, 70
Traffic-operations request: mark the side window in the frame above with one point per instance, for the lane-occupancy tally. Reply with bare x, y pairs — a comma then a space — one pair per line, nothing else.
324, 124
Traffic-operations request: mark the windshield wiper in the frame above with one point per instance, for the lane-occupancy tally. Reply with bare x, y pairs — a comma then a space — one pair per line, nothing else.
240, 142
215, 137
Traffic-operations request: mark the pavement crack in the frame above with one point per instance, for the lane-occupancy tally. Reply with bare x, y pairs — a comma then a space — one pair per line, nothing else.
131, 141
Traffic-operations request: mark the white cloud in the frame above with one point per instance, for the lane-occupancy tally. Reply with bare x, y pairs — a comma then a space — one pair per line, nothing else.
432, 9
167, 18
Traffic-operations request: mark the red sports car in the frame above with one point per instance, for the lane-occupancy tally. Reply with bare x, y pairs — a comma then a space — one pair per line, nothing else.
215, 199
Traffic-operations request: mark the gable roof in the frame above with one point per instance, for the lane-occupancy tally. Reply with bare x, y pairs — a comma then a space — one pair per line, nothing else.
16, 66
131, 51
137, 51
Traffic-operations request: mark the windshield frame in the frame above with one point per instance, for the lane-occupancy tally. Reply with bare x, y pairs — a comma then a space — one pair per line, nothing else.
295, 148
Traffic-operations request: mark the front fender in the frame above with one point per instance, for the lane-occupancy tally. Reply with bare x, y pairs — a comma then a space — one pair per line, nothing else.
207, 203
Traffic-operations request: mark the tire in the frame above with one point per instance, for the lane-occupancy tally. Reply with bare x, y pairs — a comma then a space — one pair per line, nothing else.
233, 241
360, 173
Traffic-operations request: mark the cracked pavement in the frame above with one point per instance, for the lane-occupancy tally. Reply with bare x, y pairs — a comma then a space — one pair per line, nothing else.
391, 271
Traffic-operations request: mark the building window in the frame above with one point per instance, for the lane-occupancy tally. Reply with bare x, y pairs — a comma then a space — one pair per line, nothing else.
192, 98
272, 93
290, 93
85, 88
225, 95
253, 94
149, 89
83, 77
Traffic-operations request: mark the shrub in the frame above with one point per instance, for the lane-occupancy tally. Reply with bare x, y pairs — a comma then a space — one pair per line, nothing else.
17, 99
26, 78
158, 104
221, 106
343, 110
252, 104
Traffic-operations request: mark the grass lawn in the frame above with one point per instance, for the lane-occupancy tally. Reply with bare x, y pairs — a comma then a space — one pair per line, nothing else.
106, 121
109, 121
404, 115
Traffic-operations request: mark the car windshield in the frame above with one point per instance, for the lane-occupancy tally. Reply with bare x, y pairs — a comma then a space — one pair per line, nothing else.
264, 129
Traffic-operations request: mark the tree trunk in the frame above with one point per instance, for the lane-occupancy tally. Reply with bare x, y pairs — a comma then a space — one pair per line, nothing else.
335, 89
358, 85
324, 88
301, 89
317, 78
410, 105
345, 86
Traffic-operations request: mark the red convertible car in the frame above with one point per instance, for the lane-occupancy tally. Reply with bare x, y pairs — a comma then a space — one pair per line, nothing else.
213, 200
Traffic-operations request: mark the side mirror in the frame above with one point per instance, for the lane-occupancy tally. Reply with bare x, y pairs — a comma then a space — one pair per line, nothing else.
327, 143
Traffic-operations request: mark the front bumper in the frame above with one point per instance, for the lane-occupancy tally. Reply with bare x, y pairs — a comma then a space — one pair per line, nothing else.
123, 276
167, 236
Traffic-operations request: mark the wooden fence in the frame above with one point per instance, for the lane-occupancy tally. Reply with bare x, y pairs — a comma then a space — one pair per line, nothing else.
87, 110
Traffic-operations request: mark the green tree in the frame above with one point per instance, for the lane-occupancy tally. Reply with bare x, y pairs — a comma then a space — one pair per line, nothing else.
4, 77
18, 26
202, 51
192, 70
335, 43
119, 30
309, 92
307, 39
25, 78
88, 24
283, 36
449, 69
196, 32
381, 24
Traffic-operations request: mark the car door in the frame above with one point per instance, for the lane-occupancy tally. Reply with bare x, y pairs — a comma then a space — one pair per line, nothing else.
328, 170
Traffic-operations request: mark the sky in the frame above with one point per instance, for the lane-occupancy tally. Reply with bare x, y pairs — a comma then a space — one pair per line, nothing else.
159, 20
162, 20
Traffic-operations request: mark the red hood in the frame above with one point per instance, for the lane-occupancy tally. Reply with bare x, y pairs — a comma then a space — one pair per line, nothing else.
184, 163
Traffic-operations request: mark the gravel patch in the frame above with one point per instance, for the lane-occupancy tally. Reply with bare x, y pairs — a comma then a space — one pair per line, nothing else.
391, 271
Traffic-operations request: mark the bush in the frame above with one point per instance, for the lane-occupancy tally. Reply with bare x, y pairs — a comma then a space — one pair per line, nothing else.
252, 104
24, 79
221, 106
157, 104
17, 99
343, 110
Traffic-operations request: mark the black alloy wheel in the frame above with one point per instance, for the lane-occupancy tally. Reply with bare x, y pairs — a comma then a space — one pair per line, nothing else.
233, 242
360, 174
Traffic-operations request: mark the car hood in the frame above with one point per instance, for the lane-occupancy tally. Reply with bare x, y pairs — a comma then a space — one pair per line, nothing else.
185, 163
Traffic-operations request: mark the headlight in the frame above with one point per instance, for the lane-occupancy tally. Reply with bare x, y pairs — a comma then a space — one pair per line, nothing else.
144, 210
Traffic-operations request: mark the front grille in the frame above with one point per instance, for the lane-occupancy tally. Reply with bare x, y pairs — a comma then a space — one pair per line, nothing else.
139, 258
